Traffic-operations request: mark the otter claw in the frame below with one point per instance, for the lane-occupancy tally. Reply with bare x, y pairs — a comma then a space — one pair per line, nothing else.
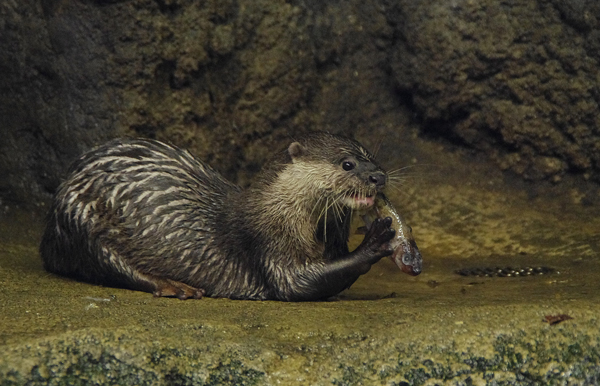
172, 288
382, 229
378, 237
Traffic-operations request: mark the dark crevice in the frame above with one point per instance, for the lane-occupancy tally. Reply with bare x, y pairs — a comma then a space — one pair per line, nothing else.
168, 7
145, 130
227, 11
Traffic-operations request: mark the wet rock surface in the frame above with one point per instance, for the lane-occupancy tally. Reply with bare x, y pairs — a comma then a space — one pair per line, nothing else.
389, 328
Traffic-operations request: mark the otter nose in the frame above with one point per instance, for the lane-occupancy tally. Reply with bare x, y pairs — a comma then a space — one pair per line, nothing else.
378, 179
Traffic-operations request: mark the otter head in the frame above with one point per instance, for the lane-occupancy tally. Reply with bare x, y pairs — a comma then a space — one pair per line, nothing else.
340, 169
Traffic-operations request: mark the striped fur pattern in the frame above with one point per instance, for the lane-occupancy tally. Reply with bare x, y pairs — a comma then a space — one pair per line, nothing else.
145, 215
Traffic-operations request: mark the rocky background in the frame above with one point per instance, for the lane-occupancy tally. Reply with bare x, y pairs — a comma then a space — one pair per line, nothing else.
516, 81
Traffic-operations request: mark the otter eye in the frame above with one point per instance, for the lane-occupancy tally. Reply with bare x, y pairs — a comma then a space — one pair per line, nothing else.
348, 165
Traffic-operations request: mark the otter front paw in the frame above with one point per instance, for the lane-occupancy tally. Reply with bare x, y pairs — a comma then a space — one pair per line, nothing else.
376, 243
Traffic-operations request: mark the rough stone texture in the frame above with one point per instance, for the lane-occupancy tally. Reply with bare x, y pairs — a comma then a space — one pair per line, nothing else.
35, 113
518, 79
231, 80
270, 354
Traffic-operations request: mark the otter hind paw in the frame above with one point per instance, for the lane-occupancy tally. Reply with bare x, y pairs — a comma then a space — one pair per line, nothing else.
173, 288
164, 287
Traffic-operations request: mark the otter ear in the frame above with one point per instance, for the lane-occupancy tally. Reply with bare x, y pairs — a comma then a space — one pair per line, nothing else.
296, 151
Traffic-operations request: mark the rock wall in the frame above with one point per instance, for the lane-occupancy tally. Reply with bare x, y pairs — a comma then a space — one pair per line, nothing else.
517, 79
233, 79
229, 80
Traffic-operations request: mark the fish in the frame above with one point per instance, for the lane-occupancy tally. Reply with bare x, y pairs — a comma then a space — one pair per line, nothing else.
406, 254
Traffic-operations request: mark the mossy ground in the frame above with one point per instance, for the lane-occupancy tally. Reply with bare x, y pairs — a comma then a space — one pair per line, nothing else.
389, 328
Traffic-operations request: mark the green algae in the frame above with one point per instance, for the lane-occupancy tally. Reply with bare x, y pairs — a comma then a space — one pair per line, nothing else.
107, 369
515, 361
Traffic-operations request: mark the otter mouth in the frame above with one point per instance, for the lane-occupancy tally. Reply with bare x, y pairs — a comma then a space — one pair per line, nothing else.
357, 201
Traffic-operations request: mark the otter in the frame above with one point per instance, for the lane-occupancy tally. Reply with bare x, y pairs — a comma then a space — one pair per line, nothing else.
148, 216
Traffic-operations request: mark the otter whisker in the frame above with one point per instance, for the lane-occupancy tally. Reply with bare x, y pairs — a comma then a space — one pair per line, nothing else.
325, 223
414, 171
315, 207
323, 215
402, 177
404, 168
397, 182
335, 204
331, 205
337, 208
398, 188
322, 212
377, 147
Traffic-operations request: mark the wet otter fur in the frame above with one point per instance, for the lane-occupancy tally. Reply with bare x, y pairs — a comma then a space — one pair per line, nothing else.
145, 215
